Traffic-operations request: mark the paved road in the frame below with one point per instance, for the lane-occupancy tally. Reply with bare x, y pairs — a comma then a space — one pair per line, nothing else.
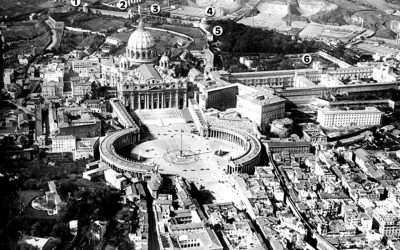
153, 238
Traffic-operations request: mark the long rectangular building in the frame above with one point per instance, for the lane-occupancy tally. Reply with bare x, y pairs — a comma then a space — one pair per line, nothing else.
370, 116
295, 147
119, 111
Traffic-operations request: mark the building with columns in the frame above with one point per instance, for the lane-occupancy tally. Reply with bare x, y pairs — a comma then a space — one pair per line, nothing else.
150, 88
141, 83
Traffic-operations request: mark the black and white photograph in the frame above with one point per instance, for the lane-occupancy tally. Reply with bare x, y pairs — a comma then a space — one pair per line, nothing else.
199, 124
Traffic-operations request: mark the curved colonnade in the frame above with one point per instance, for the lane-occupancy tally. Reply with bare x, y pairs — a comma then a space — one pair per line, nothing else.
112, 143
243, 163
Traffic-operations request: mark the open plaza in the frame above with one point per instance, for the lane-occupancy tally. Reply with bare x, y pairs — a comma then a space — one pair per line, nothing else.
171, 145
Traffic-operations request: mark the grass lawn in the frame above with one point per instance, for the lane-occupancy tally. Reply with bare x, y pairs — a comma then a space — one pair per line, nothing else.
42, 172
25, 30
27, 196
105, 23
11, 8
199, 38
72, 40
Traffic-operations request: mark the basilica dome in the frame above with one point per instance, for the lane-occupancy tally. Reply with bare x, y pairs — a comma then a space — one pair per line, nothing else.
141, 47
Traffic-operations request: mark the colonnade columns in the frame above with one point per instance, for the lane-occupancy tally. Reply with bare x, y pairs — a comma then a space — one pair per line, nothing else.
132, 101
150, 100
150, 97
176, 99
154, 100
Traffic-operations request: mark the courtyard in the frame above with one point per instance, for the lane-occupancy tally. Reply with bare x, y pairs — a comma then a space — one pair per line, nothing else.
176, 150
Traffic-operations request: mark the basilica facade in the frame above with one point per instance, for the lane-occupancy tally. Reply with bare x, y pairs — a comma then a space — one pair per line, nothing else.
140, 81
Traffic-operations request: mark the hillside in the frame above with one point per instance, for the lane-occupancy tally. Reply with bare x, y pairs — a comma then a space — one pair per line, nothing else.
238, 38
335, 16
230, 5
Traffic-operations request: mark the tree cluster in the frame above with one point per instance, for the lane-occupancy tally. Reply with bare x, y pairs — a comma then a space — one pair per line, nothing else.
101, 204
239, 38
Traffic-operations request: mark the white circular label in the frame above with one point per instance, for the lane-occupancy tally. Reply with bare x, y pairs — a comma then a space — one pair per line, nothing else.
155, 8
76, 3
210, 11
122, 4
306, 59
217, 31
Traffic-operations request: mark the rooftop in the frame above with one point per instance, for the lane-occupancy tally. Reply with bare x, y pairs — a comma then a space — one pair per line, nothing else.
36, 242
64, 137
147, 72
360, 111
262, 98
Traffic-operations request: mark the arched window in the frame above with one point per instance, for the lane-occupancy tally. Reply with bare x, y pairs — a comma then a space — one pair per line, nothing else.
143, 54
137, 54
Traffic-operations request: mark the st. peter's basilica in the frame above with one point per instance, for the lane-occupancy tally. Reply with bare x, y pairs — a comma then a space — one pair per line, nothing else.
141, 82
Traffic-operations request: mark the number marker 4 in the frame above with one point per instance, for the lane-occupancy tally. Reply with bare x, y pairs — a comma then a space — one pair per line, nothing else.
210, 11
